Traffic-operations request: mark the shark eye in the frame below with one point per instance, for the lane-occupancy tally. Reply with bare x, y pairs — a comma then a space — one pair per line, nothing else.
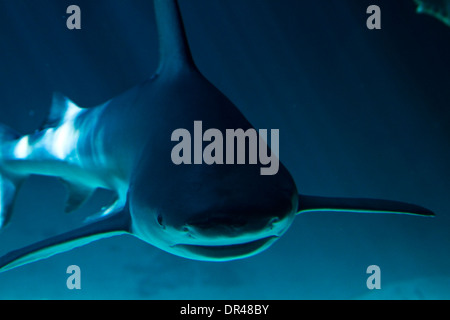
159, 219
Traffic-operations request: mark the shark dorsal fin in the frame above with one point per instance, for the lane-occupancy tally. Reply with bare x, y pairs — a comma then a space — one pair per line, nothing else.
174, 52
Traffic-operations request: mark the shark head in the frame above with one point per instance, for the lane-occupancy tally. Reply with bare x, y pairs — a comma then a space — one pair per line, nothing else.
200, 211
225, 217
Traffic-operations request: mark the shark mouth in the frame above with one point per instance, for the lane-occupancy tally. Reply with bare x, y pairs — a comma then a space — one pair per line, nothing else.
225, 252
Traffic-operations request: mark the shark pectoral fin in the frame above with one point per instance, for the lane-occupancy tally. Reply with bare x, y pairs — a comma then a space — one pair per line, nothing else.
314, 203
114, 225
8, 191
116, 206
77, 195
9, 184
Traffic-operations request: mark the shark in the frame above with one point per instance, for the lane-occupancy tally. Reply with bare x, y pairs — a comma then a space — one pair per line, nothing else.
206, 212
439, 9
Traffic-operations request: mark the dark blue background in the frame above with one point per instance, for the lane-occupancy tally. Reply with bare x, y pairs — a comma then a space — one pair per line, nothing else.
361, 113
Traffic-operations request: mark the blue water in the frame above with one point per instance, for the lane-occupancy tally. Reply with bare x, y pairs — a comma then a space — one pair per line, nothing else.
361, 113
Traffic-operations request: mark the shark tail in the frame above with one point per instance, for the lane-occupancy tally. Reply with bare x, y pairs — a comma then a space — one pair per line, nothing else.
113, 225
9, 183
362, 205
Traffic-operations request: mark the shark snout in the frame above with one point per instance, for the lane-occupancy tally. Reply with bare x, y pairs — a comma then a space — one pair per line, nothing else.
231, 227
229, 235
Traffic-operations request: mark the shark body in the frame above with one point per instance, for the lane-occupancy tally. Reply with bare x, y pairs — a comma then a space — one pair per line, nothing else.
202, 212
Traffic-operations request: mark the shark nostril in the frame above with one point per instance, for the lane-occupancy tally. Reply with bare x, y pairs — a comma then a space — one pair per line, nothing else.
274, 220
187, 231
